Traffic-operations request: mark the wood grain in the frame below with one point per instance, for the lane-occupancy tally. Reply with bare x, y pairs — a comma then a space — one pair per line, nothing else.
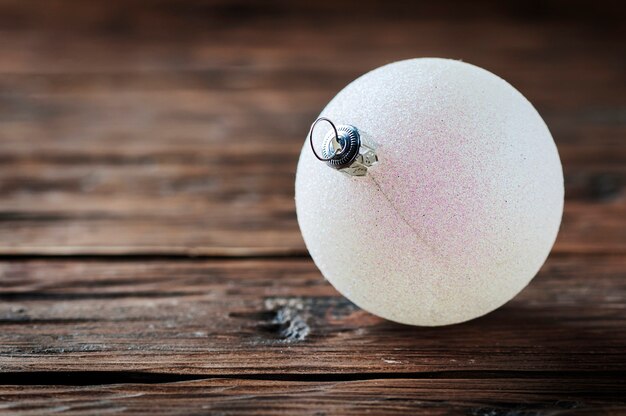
439, 396
118, 139
150, 259
89, 336
230, 317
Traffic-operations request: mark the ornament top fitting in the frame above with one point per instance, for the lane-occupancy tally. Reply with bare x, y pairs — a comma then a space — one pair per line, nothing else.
343, 149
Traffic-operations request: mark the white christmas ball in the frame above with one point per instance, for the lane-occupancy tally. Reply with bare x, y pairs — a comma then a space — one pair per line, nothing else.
462, 208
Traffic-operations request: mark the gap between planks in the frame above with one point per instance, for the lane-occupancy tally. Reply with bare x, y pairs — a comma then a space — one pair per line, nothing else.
138, 254
95, 378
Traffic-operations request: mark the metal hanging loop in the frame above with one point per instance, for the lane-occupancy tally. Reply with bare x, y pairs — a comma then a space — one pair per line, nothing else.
344, 151
337, 147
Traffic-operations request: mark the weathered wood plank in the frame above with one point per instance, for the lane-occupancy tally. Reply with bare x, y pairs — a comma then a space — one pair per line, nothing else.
234, 317
440, 396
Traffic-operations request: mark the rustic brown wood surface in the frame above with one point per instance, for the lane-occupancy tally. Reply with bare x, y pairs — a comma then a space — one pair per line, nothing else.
150, 259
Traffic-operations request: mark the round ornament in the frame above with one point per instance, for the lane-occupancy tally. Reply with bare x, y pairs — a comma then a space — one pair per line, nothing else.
429, 192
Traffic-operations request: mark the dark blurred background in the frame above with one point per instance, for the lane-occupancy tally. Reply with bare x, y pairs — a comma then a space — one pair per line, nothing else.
175, 126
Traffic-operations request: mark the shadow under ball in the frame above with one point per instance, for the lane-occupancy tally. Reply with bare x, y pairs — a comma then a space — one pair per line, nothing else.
460, 211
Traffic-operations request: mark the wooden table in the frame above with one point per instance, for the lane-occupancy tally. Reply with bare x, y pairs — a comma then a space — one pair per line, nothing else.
150, 255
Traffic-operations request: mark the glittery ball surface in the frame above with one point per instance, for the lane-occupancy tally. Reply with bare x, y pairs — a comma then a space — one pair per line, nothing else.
460, 212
